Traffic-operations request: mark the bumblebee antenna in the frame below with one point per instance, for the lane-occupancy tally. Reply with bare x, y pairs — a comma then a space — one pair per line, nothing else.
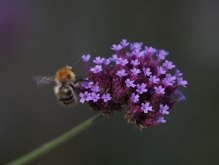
76, 62
64, 60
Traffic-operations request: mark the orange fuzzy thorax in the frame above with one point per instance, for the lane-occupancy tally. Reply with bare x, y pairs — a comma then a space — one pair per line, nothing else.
64, 75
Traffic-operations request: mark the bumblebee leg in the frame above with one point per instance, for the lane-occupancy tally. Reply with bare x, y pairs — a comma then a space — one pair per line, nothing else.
80, 80
78, 90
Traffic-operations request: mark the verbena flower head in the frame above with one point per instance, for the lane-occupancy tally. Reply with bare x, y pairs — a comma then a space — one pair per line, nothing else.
139, 79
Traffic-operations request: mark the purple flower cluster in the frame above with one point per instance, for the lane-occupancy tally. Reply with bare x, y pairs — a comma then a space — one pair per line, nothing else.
138, 78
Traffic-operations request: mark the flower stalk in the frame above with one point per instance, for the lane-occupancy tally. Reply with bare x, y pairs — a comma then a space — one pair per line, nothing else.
56, 142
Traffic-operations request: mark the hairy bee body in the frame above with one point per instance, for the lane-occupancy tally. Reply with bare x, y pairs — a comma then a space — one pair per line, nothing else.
66, 82
65, 90
65, 94
65, 75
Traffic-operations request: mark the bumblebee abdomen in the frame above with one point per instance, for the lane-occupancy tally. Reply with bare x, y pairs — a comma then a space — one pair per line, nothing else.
66, 95
68, 102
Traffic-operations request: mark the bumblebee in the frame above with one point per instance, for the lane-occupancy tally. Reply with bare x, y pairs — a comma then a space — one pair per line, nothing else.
66, 83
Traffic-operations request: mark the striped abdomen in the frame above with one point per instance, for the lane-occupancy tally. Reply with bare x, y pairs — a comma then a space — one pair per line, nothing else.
65, 94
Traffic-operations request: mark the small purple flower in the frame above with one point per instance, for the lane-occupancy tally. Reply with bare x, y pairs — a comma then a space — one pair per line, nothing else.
182, 82
86, 84
99, 60
96, 69
153, 79
169, 80
134, 97
129, 83
138, 53
168, 64
141, 88
162, 54
106, 97
95, 89
150, 50
106, 61
161, 70
178, 73
159, 90
181, 95
124, 43
135, 62
145, 107
113, 58
121, 73
135, 71
116, 47
121, 61
85, 97
86, 58
136, 46
163, 109
161, 119
146, 71
95, 97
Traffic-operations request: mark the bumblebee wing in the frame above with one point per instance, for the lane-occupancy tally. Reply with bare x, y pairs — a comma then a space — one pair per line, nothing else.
41, 80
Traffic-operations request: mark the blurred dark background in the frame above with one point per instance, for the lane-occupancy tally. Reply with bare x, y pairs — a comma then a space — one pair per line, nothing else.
35, 34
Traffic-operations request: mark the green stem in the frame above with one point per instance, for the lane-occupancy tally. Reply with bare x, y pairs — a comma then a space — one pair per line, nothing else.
54, 143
